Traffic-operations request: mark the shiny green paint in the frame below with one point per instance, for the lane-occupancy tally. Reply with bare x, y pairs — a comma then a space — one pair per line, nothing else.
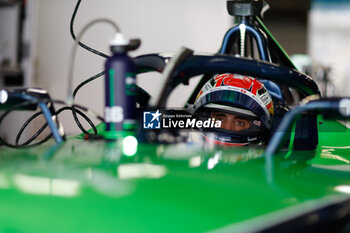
111, 87
85, 186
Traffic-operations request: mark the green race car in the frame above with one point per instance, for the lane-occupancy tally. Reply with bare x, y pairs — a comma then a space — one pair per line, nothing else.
295, 179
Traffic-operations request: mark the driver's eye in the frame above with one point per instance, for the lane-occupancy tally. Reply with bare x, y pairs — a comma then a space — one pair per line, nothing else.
219, 117
242, 124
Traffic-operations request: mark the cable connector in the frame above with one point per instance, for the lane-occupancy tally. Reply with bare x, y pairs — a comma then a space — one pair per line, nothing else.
69, 99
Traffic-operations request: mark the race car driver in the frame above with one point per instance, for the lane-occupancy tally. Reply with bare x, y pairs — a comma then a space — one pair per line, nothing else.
243, 106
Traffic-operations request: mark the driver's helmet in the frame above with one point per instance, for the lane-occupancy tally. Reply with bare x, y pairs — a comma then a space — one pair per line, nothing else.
241, 103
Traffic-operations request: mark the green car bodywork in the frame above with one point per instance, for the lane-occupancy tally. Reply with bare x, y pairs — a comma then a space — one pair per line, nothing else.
99, 186
84, 186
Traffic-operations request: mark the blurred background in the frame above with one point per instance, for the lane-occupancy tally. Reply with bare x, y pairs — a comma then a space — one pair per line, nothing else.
35, 42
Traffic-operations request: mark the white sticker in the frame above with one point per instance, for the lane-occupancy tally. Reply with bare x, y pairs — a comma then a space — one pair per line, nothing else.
114, 114
3, 96
344, 107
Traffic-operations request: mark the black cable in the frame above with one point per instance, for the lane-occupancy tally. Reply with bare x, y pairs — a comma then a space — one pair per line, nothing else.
72, 108
86, 82
19, 134
85, 47
74, 37
85, 109
26, 144
17, 106
75, 111
77, 121
30, 140
89, 79
24, 126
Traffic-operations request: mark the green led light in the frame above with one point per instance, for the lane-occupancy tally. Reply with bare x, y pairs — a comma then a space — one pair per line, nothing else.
130, 146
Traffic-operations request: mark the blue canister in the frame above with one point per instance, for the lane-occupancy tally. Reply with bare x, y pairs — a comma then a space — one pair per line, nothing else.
120, 89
